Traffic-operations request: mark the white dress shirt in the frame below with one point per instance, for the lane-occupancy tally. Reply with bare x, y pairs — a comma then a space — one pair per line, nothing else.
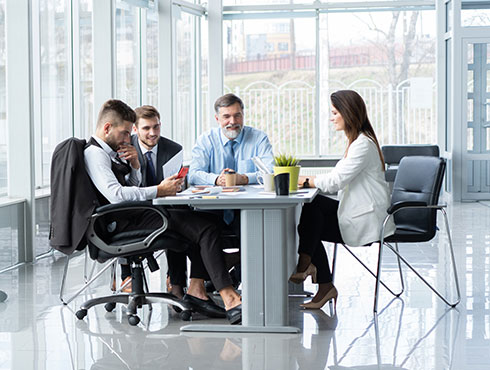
98, 165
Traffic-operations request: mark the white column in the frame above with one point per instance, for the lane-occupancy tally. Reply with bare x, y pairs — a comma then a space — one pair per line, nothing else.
215, 52
21, 173
165, 67
103, 53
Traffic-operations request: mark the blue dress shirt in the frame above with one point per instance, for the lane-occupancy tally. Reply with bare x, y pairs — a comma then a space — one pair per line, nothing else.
209, 153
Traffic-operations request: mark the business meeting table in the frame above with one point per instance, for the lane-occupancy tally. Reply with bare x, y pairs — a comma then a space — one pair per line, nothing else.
268, 236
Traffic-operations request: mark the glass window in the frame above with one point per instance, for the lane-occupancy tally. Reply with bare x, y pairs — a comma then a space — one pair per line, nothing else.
86, 69
389, 59
3, 105
475, 17
152, 57
56, 94
184, 120
127, 54
276, 84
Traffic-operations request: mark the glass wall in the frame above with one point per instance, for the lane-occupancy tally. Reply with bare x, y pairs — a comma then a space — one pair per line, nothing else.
271, 65
86, 69
386, 56
3, 105
127, 54
389, 58
55, 73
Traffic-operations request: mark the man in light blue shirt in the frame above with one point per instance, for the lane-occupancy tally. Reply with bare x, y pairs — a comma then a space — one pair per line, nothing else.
229, 146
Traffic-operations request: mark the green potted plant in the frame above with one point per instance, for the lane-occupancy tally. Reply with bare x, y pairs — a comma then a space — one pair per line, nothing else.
288, 164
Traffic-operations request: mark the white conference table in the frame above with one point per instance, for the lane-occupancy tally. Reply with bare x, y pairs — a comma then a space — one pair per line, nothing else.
268, 235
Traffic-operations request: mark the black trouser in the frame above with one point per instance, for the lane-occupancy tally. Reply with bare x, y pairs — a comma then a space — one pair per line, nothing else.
319, 222
202, 230
177, 262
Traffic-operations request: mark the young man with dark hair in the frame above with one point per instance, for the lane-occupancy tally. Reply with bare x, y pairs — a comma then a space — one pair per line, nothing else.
153, 152
114, 168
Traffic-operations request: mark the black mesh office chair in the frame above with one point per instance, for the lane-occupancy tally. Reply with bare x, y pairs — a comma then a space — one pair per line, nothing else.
76, 222
414, 206
135, 247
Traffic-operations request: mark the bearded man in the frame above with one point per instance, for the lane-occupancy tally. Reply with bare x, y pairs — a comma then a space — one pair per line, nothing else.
230, 146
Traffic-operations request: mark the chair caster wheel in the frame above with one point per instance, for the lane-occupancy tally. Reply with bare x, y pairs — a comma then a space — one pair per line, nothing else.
80, 314
186, 315
133, 320
109, 307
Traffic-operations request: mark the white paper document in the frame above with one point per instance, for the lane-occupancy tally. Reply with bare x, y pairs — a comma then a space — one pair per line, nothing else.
173, 165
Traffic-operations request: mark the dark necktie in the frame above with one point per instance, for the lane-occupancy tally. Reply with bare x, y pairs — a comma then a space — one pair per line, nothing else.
230, 155
151, 177
228, 214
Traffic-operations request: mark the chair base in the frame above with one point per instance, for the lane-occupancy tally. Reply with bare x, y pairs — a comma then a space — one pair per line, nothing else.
133, 301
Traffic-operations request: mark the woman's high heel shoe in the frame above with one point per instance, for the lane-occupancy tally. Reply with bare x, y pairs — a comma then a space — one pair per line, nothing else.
331, 294
299, 277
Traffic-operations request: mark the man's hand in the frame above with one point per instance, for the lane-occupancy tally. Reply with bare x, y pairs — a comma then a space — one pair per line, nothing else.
129, 153
220, 180
240, 179
170, 186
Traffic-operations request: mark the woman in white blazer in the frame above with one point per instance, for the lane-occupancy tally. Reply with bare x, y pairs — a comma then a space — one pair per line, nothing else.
356, 218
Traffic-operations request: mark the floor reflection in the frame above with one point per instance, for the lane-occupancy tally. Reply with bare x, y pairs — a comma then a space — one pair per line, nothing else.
416, 332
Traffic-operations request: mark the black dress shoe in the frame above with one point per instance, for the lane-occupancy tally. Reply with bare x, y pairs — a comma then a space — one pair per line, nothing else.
206, 307
234, 315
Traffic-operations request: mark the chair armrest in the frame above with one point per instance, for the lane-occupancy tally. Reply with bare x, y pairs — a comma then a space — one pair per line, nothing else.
117, 247
399, 205
131, 205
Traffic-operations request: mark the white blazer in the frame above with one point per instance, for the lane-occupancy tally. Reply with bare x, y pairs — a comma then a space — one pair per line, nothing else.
363, 193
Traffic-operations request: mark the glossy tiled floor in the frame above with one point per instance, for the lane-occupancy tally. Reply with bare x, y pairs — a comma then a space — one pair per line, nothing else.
416, 332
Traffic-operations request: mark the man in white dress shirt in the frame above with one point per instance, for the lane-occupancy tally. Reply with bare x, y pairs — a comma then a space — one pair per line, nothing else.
113, 166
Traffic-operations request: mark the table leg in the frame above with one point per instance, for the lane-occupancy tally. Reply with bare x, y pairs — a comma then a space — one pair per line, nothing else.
264, 247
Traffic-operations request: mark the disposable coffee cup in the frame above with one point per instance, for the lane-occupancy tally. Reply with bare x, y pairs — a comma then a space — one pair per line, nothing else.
281, 183
230, 178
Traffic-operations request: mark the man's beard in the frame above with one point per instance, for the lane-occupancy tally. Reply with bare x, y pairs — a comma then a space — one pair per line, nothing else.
232, 134
112, 143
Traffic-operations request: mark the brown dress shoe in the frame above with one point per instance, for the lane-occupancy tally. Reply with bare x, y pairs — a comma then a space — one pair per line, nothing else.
128, 288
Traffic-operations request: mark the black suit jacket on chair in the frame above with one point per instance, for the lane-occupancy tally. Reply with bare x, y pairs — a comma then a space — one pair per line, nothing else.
73, 198
166, 150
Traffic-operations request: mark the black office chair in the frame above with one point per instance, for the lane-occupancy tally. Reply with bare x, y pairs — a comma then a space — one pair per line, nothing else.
135, 247
394, 153
76, 222
414, 206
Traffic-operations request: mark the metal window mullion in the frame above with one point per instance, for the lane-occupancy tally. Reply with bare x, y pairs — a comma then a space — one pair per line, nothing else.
19, 86
188, 7
317, 85
165, 67
76, 74
198, 79
143, 57
36, 88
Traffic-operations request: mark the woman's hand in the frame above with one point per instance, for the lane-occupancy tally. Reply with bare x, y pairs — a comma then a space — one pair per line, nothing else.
310, 180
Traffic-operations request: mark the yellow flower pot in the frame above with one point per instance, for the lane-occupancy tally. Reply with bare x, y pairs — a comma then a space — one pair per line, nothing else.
293, 175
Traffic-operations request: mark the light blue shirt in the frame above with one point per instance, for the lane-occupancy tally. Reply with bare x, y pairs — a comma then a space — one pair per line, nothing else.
208, 155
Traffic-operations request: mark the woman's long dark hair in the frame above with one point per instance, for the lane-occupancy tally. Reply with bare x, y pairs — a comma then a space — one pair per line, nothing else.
353, 110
